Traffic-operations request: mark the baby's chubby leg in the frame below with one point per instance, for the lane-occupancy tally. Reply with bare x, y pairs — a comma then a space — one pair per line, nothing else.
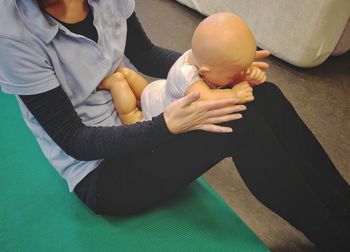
123, 98
136, 82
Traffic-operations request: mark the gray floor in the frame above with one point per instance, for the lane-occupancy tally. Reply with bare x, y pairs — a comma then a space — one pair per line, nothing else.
320, 95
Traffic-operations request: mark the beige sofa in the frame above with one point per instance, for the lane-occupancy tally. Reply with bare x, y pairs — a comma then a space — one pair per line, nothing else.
301, 32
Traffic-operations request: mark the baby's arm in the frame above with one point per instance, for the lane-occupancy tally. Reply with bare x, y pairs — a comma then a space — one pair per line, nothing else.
255, 76
241, 91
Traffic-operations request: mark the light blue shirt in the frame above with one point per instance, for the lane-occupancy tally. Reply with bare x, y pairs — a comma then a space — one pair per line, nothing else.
38, 54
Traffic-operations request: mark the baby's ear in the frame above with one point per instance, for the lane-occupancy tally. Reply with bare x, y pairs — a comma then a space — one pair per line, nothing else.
203, 70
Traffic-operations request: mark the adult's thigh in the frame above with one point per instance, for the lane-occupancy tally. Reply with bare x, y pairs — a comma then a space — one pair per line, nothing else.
144, 178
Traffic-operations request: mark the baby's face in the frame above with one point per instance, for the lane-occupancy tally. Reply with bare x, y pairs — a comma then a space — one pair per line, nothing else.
223, 74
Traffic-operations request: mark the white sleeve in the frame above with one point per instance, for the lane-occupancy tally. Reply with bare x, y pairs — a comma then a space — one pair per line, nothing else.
181, 79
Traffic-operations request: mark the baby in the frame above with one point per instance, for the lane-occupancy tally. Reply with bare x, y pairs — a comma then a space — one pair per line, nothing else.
223, 50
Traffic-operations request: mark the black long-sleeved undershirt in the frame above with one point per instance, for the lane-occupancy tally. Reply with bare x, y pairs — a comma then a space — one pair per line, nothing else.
55, 113
150, 59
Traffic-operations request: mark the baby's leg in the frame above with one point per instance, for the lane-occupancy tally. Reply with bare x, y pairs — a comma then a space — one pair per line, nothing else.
136, 82
123, 98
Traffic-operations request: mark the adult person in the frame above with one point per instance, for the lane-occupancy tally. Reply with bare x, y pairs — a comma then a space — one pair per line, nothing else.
54, 54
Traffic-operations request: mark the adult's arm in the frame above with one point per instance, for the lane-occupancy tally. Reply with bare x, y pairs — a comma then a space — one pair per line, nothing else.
150, 59
55, 113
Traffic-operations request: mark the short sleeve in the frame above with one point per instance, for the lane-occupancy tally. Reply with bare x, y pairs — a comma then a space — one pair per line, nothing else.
25, 69
180, 77
125, 7
188, 75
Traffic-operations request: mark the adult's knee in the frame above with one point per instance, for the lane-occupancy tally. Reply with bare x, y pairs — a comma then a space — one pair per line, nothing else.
269, 93
267, 88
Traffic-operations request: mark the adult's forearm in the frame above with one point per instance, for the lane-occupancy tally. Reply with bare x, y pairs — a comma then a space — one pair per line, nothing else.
55, 113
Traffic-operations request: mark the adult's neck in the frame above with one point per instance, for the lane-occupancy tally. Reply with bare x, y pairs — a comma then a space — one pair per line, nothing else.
67, 11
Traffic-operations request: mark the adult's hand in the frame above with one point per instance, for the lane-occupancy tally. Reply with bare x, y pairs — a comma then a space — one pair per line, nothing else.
188, 113
261, 55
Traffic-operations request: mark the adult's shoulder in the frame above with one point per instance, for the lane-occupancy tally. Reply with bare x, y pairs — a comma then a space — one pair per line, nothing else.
11, 23
23, 24
123, 7
24, 62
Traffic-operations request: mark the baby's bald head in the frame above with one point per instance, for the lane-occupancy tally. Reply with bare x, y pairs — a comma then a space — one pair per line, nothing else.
223, 38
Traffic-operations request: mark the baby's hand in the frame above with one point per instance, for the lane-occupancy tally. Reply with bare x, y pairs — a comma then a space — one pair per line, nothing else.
255, 76
243, 91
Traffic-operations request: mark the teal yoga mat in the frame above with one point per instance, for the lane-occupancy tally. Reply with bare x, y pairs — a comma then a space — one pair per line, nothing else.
37, 213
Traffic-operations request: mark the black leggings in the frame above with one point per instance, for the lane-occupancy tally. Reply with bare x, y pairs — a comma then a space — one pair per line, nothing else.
278, 157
